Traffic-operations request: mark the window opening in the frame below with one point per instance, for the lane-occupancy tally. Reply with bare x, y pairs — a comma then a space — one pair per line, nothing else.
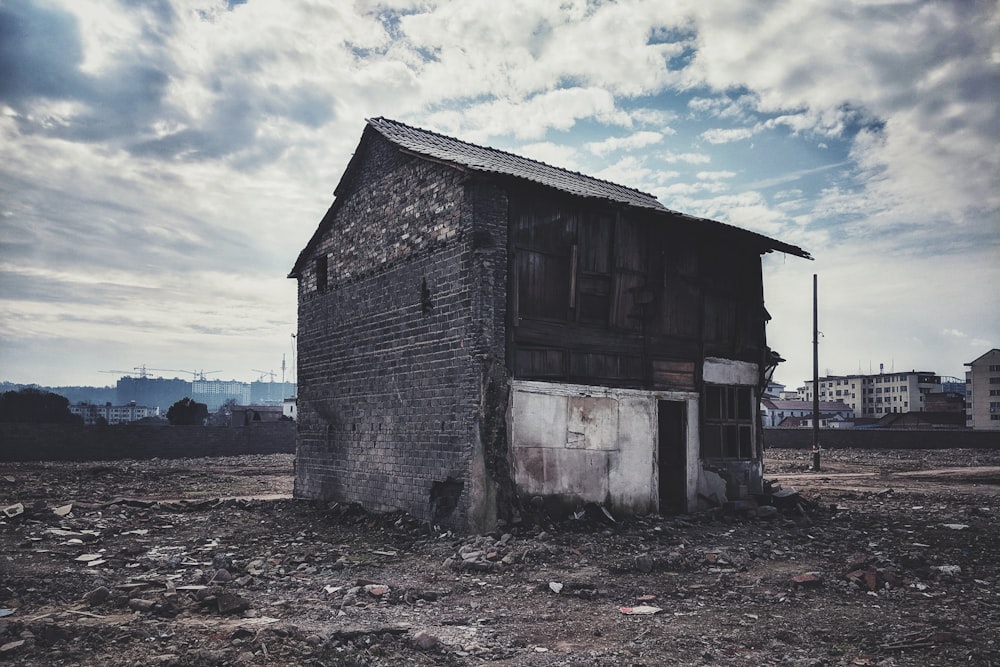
728, 423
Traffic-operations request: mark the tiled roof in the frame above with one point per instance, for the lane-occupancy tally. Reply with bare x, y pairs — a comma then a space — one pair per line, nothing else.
491, 160
461, 154
788, 404
484, 159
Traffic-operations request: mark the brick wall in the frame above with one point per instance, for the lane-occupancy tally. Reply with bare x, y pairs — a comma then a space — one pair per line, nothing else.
76, 442
395, 353
793, 438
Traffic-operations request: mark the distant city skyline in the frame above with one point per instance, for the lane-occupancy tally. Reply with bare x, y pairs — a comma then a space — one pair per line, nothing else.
164, 163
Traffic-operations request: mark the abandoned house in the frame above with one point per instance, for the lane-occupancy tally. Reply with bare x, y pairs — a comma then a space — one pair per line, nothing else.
478, 331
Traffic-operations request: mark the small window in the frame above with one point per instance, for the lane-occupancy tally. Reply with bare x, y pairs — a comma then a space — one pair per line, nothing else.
322, 269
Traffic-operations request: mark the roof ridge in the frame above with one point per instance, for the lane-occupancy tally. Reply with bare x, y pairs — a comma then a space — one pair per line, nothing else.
580, 174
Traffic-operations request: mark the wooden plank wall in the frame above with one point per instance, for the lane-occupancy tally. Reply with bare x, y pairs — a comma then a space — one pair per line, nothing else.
620, 297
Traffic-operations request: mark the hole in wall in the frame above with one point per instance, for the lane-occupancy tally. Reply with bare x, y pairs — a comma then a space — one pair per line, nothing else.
425, 297
444, 497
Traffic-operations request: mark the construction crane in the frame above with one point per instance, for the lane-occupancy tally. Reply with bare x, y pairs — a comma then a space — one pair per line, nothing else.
195, 375
264, 374
142, 371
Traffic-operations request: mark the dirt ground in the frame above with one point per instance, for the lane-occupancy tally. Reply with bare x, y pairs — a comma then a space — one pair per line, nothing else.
884, 558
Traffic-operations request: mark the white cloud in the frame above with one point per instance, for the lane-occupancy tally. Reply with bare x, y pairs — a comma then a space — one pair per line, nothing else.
725, 136
923, 72
613, 144
739, 109
558, 155
688, 158
629, 170
714, 175
531, 118
657, 118
167, 137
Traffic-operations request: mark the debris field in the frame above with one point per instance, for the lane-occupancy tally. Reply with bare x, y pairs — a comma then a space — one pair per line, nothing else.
884, 558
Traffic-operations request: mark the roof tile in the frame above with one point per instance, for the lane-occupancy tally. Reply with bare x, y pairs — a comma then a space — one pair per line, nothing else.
484, 159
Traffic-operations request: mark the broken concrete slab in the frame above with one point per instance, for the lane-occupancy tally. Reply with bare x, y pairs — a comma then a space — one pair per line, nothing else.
11, 511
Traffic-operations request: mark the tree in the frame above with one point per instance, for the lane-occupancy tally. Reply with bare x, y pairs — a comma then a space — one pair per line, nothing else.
35, 406
187, 412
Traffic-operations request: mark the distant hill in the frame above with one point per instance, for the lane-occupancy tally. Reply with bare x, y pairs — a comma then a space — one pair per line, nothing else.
74, 394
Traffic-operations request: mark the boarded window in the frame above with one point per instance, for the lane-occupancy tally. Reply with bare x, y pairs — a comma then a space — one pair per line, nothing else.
720, 319
681, 309
631, 294
593, 270
543, 285
728, 428
544, 249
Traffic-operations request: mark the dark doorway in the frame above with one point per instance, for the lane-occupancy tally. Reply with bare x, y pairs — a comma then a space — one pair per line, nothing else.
672, 453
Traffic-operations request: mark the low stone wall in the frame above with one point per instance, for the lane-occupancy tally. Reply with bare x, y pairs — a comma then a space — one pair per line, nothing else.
76, 442
801, 438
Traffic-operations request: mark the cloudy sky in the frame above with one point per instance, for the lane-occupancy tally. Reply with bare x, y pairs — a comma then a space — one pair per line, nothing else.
164, 161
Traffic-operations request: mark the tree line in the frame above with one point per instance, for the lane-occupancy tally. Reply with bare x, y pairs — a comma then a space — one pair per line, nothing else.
35, 406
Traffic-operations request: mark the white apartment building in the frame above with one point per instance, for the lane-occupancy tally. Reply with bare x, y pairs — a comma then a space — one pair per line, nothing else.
113, 414
877, 395
215, 393
774, 411
982, 396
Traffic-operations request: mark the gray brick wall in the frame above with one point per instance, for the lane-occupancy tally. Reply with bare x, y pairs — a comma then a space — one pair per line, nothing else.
395, 354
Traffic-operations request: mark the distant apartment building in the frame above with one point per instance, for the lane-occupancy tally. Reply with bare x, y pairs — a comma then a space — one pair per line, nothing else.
776, 412
982, 400
270, 393
156, 392
215, 393
777, 390
877, 395
112, 414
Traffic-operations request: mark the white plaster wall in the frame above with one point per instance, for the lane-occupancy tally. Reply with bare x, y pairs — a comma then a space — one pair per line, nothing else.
694, 468
632, 476
593, 444
729, 371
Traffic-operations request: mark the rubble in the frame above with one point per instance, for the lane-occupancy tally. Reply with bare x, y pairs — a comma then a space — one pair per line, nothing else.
814, 572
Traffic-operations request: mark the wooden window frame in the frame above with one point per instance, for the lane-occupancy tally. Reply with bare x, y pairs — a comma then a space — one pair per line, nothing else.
729, 428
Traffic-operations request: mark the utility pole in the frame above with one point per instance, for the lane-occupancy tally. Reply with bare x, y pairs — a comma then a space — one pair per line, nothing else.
815, 448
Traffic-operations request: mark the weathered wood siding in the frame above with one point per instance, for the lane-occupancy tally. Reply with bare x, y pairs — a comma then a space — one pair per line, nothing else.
624, 298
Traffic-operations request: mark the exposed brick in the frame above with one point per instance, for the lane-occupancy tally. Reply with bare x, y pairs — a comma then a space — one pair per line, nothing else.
395, 352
